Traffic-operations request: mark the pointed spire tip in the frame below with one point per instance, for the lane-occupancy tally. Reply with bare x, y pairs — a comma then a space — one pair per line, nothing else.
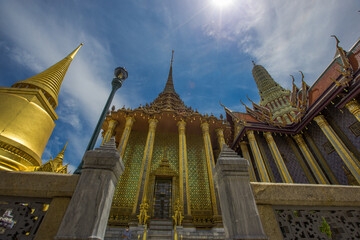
169, 87
73, 53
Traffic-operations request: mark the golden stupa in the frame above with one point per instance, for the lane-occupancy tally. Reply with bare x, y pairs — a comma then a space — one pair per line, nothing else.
27, 116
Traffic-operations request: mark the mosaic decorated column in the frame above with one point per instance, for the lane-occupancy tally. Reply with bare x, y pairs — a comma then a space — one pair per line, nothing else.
110, 131
126, 134
237, 129
183, 166
354, 107
246, 155
345, 154
146, 163
309, 157
220, 137
263, 174
210, 163
284, 173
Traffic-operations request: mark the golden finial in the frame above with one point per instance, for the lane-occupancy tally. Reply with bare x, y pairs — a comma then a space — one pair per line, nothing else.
221, 104
65, 146
337, 40
242, 103
249, 99
172, 56
60, 157
293, 79
253, 62
72, 55
51, 79
302, 76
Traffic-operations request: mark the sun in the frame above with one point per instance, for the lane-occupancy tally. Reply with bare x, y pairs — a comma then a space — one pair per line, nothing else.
222, 3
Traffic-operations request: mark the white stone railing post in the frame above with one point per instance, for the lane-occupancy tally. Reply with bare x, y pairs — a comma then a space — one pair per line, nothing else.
87, 214
239, 212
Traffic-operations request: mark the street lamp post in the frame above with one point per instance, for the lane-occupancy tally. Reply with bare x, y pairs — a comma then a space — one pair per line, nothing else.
120, 74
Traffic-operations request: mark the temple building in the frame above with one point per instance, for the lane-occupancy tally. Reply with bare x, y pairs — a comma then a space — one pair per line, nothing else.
307, 135
169, 153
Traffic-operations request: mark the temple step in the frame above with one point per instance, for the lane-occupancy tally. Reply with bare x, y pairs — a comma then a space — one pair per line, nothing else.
160, 229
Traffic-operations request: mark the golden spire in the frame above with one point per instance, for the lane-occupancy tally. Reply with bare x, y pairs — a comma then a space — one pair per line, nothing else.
169, 87
50, 80
58, 160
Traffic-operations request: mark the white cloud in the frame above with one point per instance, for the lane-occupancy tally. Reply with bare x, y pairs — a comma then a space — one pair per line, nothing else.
288, 36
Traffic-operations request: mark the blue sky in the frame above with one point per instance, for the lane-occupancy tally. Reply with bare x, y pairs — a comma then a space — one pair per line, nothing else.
213, 47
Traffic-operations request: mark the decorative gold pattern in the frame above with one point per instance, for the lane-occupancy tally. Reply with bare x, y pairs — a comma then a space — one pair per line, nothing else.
178, 210
143, 216
346, 68
198, 178
126, 188
354, 107
170, 141
23, 160
299, 99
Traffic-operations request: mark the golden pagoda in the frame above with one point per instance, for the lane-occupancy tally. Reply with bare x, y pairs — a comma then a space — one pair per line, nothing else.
168, 151
27, 116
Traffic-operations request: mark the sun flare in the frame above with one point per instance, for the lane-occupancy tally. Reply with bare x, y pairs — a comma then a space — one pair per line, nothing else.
222, 3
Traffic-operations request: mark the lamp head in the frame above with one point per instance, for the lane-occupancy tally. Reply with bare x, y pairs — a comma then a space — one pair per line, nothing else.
121, 73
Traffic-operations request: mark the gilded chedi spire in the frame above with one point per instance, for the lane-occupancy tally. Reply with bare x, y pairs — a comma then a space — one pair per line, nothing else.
58, 160
28, 117
51, 79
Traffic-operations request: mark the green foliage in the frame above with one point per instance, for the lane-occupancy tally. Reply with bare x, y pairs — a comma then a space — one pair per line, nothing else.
325, 228
296, 213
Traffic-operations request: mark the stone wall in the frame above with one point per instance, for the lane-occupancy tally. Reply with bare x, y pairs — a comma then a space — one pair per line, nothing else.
303, 206
51, 191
